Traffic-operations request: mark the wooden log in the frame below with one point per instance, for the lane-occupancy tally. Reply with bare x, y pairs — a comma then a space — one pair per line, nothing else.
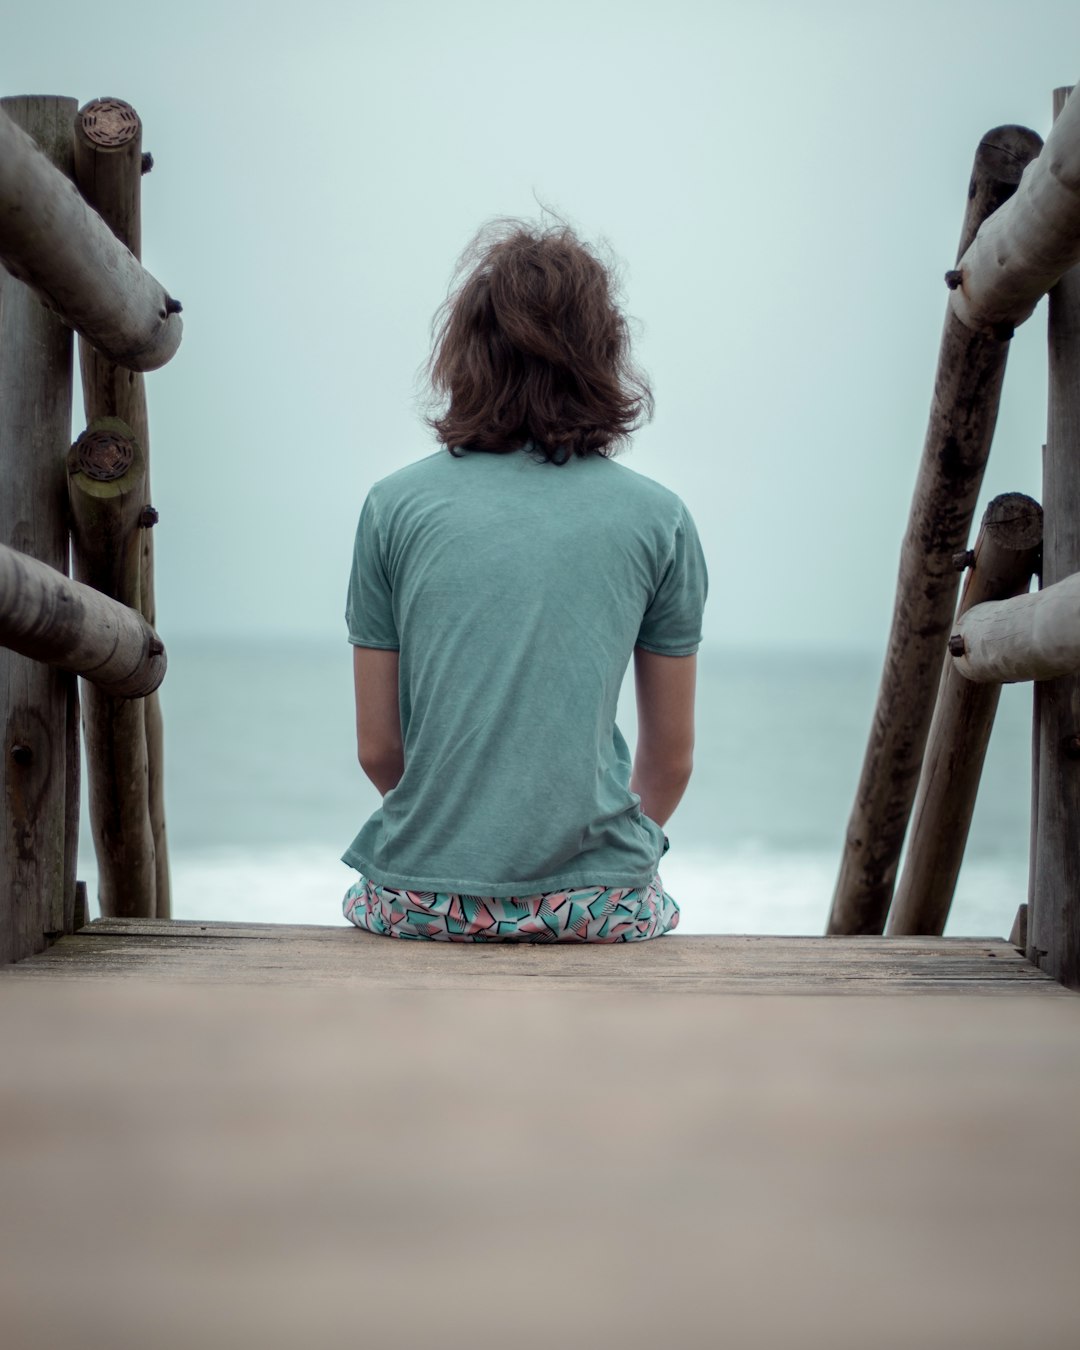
1054, 920
963, 411
55, 243
1005, 556
1033, 811
82, 906
1029, 243
106, 484
38, 830
1032, 637
72, 810
106, 472
155, 791
47, 616
108, 166
108, 171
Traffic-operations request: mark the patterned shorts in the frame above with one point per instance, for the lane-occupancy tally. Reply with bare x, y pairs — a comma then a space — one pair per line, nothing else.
592, 914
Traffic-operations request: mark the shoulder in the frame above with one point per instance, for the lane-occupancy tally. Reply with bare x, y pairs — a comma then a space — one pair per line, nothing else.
647, 494
403, 481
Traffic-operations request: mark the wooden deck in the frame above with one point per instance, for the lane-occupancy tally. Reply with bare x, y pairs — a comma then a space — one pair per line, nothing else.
234, 953
217, 1135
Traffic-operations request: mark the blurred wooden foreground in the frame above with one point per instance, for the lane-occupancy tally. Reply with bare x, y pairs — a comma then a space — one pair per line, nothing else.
230, 1135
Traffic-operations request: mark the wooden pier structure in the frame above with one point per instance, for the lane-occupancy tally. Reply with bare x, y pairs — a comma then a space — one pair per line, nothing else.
260, 1135
70, 235
1020, 241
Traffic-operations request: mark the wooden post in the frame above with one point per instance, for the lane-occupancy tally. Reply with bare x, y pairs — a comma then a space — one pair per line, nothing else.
55, 243
1054, 920
39, 827
107, 474
967, 392
47, 616
108, 171
73, 813
1005, 556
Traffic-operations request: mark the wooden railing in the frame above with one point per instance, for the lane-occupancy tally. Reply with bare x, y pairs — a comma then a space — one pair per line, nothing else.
1026, 245
69, 244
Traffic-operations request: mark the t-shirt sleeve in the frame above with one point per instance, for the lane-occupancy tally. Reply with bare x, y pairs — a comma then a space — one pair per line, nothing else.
369, 609
672, 623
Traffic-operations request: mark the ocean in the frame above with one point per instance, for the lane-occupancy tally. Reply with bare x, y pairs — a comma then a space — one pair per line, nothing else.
263, 791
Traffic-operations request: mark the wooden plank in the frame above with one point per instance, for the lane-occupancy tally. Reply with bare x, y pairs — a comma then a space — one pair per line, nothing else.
866, 945
39, 826
1054, 919
1006, 554
309, 1167
241, 953
108, 170
963, 413
55, 243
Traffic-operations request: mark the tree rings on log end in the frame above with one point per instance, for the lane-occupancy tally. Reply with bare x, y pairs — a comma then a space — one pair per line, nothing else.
104, 455
109, 122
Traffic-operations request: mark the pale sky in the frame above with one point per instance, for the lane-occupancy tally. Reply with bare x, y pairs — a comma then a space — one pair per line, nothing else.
784, 184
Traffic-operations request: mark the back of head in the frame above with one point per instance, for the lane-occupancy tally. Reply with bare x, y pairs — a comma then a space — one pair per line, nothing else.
532, 347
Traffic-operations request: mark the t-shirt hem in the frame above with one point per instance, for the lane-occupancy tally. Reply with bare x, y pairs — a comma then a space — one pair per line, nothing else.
689, 649
499, 890
380, 646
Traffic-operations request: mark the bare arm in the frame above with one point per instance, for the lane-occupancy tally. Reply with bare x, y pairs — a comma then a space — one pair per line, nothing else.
378, 718
664, 755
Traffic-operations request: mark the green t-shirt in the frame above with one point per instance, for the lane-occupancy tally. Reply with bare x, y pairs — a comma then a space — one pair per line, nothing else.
516, 590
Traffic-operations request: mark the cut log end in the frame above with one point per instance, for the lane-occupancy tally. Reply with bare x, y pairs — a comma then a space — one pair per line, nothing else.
1016, 521
160, 350
1005, 152
104, 455
143, 680
1000, 159
109, 123
106, 464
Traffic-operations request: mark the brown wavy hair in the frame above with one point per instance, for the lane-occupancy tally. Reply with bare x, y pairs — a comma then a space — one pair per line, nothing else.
531, 346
